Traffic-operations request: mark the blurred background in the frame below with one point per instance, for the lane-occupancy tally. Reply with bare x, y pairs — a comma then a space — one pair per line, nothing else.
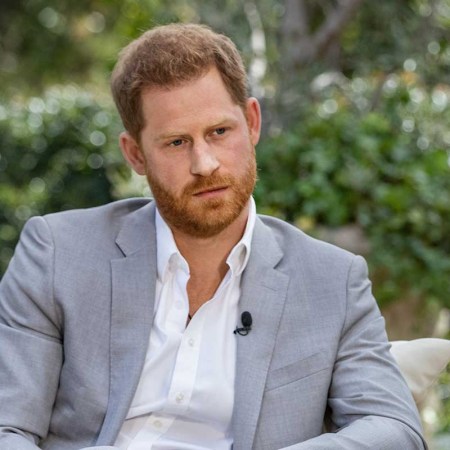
356, 142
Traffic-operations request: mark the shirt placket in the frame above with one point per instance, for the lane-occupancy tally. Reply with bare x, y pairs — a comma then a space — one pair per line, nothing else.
185, 370
158, 423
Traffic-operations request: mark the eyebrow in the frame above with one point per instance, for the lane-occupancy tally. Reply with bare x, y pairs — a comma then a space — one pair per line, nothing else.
180, 135
170, 135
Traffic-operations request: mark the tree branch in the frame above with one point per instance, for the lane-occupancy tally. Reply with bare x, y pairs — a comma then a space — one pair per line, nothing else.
302, 47
335, 24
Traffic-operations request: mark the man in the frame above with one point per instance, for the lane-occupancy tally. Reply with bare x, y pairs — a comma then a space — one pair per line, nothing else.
116, 323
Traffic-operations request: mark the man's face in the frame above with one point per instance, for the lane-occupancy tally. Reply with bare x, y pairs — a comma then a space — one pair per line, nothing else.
197, 151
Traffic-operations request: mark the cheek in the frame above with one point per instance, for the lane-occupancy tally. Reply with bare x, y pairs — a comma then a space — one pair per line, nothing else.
241, 152
237, 148
163, 167
170, 175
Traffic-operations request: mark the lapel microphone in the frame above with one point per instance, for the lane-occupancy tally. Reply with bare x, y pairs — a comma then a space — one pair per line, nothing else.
246, 319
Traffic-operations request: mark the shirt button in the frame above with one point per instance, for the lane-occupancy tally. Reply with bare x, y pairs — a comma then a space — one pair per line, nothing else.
157, 423
191, 342
179, 398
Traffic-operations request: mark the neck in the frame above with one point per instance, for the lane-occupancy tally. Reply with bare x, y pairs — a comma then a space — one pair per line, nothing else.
207, 257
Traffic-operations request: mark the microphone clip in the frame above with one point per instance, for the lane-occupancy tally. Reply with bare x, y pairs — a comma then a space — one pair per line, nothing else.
246, 319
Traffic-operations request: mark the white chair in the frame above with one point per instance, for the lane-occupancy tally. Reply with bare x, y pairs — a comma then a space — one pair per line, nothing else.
421, 361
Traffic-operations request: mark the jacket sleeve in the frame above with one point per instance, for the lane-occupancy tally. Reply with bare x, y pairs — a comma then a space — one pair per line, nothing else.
30, 340
370, 403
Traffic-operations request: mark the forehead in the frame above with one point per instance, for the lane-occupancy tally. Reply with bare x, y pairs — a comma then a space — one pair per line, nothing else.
204, 98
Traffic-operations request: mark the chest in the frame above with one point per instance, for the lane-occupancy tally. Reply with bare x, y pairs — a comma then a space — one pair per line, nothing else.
188, 375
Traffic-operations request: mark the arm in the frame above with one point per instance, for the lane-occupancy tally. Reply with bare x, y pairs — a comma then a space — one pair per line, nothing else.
30, 341
31, 351
371, 405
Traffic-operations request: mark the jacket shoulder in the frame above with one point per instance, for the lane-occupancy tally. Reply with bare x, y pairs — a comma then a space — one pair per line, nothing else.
287, 234
110, 215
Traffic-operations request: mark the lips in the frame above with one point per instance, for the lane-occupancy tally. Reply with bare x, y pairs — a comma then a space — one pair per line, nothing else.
210, 190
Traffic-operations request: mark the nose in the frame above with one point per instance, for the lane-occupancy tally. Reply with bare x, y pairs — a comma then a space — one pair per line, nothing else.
203, 160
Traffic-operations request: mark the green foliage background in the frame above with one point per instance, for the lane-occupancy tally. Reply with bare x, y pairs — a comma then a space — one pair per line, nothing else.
358, 137
364, 141
58, 152
386, 170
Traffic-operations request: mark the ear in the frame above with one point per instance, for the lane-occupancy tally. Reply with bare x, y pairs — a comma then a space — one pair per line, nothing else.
253, 112
132, 153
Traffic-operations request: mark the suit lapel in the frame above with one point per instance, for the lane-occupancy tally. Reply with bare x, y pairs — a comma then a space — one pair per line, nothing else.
263, 294
133, 292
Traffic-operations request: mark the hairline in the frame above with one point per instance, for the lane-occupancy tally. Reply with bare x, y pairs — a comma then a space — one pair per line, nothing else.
178, 84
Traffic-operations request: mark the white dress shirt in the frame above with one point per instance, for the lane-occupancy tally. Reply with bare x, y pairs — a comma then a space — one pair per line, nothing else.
184, 399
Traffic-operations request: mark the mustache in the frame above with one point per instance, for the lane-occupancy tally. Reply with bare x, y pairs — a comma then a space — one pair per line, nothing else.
211, 182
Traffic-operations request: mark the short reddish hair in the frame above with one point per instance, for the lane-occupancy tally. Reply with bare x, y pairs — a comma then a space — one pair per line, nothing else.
171, 55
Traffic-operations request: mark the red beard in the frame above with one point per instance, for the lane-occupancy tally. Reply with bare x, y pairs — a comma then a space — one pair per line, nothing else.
205, 217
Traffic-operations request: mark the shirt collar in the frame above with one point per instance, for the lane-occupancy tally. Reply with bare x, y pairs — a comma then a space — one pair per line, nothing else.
168, 254
239, 255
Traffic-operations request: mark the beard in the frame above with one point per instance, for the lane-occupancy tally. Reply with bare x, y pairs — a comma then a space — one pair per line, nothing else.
209, 216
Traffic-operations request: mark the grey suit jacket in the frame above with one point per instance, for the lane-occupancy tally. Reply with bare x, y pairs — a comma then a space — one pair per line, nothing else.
76, 309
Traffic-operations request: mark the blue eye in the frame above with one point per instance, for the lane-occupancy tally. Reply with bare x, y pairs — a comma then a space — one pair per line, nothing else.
177, 142
220, 130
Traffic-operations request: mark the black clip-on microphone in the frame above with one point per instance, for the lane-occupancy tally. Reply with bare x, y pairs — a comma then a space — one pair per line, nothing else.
246, 319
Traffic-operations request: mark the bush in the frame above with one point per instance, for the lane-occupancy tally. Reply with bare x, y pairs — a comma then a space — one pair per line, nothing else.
371, 152
58, 152
384, 168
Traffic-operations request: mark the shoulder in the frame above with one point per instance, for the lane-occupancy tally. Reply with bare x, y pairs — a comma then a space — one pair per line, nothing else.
105, 217
294, 241
319, 263
114, 210
86, 231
